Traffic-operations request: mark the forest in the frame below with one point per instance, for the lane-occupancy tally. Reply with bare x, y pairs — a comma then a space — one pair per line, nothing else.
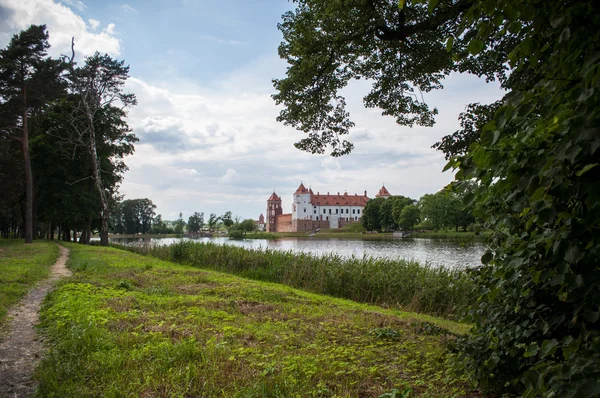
63, 139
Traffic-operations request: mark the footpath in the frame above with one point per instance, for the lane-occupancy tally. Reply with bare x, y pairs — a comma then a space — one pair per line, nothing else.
22, 348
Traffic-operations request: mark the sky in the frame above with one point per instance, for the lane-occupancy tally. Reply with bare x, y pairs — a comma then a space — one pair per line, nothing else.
208, 138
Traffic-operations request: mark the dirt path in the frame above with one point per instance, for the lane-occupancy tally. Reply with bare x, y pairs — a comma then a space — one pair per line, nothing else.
21, 350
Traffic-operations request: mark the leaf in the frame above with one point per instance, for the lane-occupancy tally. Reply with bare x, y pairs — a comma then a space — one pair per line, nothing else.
475, 46
401, 4
591, 316
432, 5
585, 169
486, 258
449, 43
573, 255
532, 350
548, 347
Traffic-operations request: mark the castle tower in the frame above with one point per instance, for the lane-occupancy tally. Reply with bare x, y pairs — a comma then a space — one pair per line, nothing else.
273, 210
383, 193
301, 208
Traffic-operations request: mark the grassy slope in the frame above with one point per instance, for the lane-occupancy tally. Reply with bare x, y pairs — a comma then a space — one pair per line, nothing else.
129, 325
21, 266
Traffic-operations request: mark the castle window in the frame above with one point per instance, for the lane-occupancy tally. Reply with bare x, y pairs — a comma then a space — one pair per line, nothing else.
346, 212
327, 218
353, 211
315, 211
324, 211
305, 210
317, 218
358, 211
329, 213
336, 211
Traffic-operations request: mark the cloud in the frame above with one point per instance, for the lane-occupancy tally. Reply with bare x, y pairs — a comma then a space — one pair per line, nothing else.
220, 40
75, 3
230, 176
94, 23
63, 24
128, 8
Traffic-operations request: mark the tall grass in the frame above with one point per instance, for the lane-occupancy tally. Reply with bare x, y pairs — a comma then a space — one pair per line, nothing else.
397, 283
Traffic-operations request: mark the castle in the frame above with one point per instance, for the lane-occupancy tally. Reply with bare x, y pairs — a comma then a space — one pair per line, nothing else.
312, 211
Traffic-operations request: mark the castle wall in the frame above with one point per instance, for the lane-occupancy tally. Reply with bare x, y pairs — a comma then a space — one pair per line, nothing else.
283, 223
309, 225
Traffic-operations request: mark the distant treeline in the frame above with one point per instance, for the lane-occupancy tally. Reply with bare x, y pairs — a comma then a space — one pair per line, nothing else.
444, 209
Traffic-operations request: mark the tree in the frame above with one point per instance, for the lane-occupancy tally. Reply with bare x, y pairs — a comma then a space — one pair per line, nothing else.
100, 107
179, 224
28, 81
213, 220
409, 217
247, 225
534, 158
137, 215
371, 218
227, 219
195, 222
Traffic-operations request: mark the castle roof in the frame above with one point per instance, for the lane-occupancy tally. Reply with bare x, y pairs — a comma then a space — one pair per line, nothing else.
338, 200
383, 193
274, 197
301, 189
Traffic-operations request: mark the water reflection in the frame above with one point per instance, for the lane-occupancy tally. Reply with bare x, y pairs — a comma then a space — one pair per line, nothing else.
436, 252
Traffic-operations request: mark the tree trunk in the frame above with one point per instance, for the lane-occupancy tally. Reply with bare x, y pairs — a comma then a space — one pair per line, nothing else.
28, 177
99, 185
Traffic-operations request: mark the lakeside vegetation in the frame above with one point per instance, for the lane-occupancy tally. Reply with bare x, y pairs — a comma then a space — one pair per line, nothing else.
395, 283
21, 267
131, 325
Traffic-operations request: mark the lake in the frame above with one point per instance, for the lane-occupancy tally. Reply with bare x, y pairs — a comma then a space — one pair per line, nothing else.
450, 253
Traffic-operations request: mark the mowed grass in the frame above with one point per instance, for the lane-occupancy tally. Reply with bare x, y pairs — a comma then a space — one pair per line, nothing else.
130, 325
21, 266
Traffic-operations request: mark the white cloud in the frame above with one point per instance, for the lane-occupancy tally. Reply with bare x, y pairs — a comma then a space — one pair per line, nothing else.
232, 127
230, 176
220, 40
128, 8
63, 24
94, 23
75, 3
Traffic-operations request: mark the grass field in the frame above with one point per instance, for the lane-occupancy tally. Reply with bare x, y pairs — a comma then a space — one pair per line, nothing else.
131, 325
396, 283
21, 266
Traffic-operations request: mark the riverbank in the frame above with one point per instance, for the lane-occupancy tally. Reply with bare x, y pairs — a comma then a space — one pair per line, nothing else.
398, 283
481, 236
145, 327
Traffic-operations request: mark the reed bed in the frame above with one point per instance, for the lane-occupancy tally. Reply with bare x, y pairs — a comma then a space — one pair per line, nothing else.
403, 284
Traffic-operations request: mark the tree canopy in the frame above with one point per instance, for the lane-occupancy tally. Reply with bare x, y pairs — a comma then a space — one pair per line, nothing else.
533, 156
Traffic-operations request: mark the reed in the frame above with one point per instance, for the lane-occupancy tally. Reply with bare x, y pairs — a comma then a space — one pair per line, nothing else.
395, 283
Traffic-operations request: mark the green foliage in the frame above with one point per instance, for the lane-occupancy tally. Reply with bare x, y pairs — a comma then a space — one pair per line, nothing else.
443, 209
371, 218
409, 217
537, 328
408, 284
183, 331
226, 218
21, 266
133, 216
179, 224
533, 156
196, 222
235, 233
